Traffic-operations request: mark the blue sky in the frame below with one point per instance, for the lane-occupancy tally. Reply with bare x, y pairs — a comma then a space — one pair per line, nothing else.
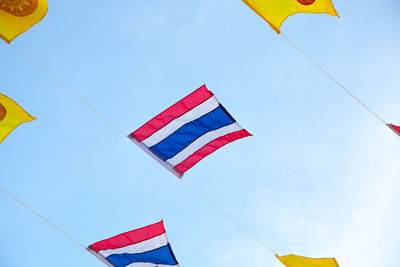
319, 177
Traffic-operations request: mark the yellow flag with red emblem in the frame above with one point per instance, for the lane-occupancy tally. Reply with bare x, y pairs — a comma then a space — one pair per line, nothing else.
11, 116
275, 12
17, 16
298, 261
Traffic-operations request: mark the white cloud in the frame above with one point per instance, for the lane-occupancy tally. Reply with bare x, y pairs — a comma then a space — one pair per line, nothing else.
359, 226
369, 240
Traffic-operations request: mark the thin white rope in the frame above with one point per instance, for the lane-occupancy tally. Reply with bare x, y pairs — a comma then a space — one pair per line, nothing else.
333, 78
223, 212
80, 99
59, 229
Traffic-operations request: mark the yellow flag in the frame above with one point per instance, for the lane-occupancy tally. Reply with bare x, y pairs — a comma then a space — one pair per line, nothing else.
11, 116
298, 261
17, 16
275, 12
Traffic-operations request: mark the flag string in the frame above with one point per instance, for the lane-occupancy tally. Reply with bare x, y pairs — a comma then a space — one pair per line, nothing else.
334, 79
109, 122
63, 232
59, 229
228, 216
69, 90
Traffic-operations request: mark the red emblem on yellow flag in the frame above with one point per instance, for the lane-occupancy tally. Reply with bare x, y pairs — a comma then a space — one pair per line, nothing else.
17, 16
11, 116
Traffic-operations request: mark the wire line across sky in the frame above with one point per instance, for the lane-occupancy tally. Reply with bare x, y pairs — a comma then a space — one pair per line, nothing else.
113, 125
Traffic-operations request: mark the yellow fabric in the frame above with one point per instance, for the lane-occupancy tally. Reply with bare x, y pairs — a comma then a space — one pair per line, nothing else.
298, 261
17, 16
275, 12
11, 116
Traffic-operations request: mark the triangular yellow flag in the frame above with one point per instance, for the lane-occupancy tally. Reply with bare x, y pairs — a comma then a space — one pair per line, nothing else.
275, 12
11, 116
17, 16
298, 261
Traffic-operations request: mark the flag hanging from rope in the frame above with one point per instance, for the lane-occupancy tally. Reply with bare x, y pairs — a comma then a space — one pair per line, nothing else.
276, 12
298, 261
188, 131
17, 16
11, 116
144, 247
395, 128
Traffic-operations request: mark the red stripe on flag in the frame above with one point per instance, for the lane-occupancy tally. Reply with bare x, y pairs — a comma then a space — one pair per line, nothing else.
395, 128
208, 149
130, 238
173, 112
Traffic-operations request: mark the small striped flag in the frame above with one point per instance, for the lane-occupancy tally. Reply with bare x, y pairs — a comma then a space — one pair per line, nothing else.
395, 128
188, 131
144, 247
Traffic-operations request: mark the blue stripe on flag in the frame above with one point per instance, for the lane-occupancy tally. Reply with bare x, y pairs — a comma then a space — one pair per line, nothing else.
162, 255
189, 132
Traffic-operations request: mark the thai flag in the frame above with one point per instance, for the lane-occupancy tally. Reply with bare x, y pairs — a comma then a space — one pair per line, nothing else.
144, 247
395, 128
188, 131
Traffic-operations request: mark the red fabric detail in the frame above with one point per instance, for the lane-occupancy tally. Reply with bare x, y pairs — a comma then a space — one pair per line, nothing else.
208, 149
173, 112
130, 238
396, 128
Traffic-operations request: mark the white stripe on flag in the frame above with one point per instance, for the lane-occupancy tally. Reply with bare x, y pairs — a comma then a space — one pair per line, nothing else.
147, 245
202, 141
197, 112
145, 264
